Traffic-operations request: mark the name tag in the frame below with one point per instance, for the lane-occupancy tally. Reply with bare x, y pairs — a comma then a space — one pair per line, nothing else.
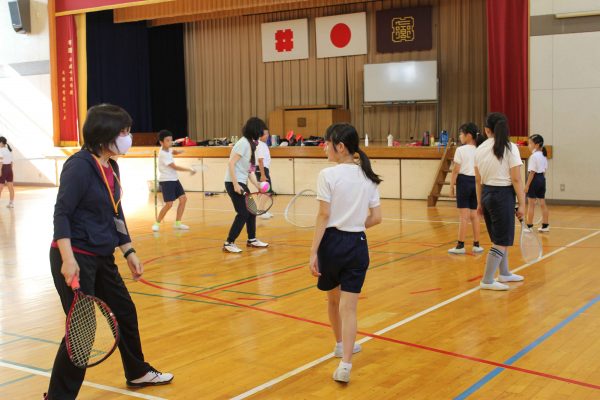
120, 225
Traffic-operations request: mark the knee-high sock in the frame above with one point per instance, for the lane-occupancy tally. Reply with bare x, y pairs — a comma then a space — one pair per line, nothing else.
504, 264
494, 259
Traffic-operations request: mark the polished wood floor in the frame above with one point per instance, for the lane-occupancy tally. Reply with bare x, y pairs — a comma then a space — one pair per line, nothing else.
253, 324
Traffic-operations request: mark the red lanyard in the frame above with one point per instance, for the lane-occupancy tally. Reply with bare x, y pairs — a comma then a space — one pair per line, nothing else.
112, 197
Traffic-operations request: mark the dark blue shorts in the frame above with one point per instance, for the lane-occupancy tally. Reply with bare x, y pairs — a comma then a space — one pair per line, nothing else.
171, 190
499, 213
537, 188
343, 260
466, 196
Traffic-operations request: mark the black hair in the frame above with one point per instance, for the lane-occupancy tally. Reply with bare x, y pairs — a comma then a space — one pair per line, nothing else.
102, 126
480, 139
252, 130
498, 123
5, 142
469, 128
539, 140
346, 133
164, 134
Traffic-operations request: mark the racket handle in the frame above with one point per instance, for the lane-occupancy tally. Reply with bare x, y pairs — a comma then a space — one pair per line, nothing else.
75, 283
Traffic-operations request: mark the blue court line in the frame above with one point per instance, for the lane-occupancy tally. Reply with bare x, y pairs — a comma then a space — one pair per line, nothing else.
25, 366
30, 338
16, 380
10, 341
480, 383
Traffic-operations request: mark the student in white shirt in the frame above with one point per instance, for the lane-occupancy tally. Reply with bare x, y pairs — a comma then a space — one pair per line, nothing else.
263, 157
536, 181
240, 169
6, 170
463, 177
168, 180
498, 176
348, 204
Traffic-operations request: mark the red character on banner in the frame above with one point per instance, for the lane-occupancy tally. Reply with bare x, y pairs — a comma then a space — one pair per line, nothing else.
284, 40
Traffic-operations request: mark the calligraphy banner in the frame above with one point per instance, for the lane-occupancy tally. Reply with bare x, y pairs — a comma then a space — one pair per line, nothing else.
66, 61
404, 29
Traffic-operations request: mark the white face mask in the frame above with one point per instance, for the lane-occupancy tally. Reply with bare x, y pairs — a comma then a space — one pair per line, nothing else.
121, 145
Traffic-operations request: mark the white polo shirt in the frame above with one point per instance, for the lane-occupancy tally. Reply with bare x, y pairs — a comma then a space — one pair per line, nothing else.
166, 173
537, 162
350, 195
262, 151
465, 157
496, 172
6, 155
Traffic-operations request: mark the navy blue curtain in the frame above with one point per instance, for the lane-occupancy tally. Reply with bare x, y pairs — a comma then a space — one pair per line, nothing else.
118, 70
167, 79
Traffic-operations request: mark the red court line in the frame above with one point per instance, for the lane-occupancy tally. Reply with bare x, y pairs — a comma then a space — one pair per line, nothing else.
475, 278
253, 279
387, 339
425, 291
251, 299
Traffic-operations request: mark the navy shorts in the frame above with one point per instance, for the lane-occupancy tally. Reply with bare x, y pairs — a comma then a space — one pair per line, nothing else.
466, 196
7, 174
499, 213
343, 260
171, 190
537, 188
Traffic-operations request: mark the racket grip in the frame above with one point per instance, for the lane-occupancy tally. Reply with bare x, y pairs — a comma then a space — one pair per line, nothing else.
75, 283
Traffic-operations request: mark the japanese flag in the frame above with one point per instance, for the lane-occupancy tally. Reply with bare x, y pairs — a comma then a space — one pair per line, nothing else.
285, 40
342, 35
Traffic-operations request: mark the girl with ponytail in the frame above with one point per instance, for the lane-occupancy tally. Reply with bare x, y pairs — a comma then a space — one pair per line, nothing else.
348, 205
498, 179
536, 181
6, 171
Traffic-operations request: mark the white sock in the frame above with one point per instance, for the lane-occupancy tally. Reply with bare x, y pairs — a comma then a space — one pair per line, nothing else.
346, 365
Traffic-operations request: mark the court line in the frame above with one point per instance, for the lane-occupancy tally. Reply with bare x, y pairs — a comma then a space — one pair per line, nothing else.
497, 371
106, 388
311, 364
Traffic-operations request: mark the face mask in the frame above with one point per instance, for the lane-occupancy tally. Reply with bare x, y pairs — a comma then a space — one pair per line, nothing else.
121, 145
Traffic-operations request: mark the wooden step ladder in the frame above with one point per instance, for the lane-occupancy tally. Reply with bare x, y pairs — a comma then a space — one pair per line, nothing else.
440, 178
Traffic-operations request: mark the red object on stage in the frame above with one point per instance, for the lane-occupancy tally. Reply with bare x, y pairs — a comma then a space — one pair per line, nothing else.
508, 85
66, 49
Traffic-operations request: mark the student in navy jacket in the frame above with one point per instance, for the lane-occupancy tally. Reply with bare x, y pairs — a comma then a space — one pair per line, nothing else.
88, 225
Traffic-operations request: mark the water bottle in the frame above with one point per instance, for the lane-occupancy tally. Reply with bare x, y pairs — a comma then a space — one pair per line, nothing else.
390, 139
366, 139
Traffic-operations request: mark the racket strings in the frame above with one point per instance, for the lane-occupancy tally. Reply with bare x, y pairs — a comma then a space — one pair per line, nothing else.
91, 333
302, 209
259, 203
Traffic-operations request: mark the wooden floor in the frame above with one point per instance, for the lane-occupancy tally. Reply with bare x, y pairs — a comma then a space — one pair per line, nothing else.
254, 324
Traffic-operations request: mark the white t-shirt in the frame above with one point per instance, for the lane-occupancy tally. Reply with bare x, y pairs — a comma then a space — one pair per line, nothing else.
6, 155
465, 157
242, 167
493, 171
350, 195
166, 173
537, 162
262, 151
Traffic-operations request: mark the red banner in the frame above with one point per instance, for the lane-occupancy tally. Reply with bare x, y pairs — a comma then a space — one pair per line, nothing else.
80, 6
66, 49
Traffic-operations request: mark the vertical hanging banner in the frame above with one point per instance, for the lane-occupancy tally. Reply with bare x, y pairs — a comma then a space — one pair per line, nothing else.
342, 35
66, 48
285, 40
404, 29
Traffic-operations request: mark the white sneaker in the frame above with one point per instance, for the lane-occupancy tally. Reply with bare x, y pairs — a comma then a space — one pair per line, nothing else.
256, 243
11, 205
338, 351
546, 229
155, 227
182, 227
477, 249
264, 216
454, 250
231, 248
493, 286
341, 374
510, 278
152, 378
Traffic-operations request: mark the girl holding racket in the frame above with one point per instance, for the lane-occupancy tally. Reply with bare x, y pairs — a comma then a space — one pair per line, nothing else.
348, 205
240, 168
88, 224
498, 176
6, 171
536, 181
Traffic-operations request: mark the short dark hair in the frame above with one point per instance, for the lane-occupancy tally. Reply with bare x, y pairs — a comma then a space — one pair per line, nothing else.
102, 125
469, 128
164, 134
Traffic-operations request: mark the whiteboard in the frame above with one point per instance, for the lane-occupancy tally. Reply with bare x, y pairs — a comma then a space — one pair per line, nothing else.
401, 81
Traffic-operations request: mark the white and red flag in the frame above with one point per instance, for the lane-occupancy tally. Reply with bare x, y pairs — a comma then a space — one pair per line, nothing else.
285, 40
342, 35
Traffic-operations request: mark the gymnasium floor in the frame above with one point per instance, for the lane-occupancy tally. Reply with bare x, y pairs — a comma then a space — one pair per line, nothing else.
254, 325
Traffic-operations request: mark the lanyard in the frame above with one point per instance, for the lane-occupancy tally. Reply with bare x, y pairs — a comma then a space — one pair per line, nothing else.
110, 193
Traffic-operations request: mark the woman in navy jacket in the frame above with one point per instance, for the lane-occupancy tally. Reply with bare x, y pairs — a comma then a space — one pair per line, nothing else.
88, 225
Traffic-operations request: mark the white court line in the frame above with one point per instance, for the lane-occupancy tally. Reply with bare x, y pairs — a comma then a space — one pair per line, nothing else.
311, 364
85, 383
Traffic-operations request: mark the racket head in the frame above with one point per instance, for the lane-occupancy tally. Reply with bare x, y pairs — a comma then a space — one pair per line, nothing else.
92, 331
302, 209
258, 203
531, 248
